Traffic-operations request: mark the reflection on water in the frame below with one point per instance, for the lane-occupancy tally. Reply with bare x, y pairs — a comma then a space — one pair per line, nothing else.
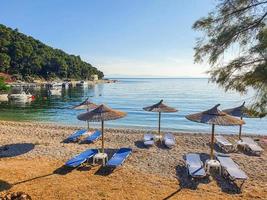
131, 95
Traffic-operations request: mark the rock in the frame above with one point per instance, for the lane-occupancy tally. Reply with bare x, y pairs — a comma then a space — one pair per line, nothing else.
15, 196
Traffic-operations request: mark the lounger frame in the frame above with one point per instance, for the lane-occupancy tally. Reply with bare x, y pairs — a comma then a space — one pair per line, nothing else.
247, 148
83, 163
85, 140
237, 181
171, 137
77, 138
149, 142
187, 169
117, 167
226, 148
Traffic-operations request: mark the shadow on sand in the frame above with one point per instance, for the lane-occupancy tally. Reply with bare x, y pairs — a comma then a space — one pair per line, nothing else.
227, 186
140, 144
12, 150
185, 181
104, 171
4, 185
63, 170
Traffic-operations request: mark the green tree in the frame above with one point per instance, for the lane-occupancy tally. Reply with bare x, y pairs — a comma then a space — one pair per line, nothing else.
4, 62
3, 86
29, 58
239, 25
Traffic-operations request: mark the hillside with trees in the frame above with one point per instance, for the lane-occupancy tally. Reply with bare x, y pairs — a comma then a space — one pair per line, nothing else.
27, 58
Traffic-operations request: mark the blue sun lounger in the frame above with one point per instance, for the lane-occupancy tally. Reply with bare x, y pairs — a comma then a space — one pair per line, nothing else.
93, 137
194, 165
81, 158
119, 157
75, 136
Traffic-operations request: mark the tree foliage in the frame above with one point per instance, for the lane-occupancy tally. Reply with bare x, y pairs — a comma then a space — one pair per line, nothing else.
3, 86
23, 56
238, 25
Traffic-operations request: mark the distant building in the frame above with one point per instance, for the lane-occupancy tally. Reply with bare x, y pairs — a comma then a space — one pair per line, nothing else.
94, 77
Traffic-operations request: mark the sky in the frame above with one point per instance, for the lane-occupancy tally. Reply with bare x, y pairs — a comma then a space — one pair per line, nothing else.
122, 38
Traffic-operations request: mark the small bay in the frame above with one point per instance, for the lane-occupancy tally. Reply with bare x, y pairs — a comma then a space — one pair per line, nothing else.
188, 95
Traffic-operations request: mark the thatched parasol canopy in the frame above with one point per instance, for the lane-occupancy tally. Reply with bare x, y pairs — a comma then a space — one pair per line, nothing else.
86, 104
101, 113
214, 117
240, 111
160, 107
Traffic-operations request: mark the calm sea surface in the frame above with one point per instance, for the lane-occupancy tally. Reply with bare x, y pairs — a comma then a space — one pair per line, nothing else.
131, 95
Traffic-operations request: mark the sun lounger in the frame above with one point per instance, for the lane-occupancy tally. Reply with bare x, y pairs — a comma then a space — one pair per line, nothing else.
93, 137
224, 144
194, 165
75, 136
252, 146
81, 158
119, 157
230, 169
149, 139
169, 140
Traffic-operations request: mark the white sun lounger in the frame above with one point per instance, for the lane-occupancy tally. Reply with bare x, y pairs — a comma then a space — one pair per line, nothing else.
224, 144
230, 169
194, 165
252, 146
169, 140
149, 139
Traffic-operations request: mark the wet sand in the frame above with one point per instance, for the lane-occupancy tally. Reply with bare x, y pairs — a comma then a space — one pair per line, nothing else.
32, 157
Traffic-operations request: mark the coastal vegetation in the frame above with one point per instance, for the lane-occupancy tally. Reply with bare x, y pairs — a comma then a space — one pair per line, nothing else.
4, 88
27, 58
239, 25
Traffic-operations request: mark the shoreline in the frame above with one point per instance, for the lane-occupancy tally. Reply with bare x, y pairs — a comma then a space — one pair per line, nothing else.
30, 151
128, 129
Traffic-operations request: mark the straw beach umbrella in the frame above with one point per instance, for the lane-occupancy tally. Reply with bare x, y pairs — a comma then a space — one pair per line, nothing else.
101, 113
240, 111
85, 105
214, 117
160, 107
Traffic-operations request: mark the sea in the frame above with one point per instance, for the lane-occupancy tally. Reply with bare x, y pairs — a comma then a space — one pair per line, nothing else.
187, 95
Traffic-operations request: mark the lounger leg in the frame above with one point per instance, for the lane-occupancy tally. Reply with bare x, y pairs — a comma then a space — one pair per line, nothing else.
207, 167
241, 185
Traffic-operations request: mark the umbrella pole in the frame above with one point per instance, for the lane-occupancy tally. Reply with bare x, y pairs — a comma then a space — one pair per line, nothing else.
159, 123
87, 120
212, 142
102, 125
240, 130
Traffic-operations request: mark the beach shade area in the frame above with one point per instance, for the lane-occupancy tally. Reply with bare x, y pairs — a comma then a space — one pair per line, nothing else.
85, 105
214, 117
160, 107
240, 111
100, 114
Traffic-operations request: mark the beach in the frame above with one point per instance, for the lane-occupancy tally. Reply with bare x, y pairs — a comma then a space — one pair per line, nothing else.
32, 158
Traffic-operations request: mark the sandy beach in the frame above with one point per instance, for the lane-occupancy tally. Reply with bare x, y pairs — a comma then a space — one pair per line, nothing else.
32, 157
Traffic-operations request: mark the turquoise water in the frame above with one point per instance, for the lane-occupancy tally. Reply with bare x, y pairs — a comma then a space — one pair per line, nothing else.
131, 95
